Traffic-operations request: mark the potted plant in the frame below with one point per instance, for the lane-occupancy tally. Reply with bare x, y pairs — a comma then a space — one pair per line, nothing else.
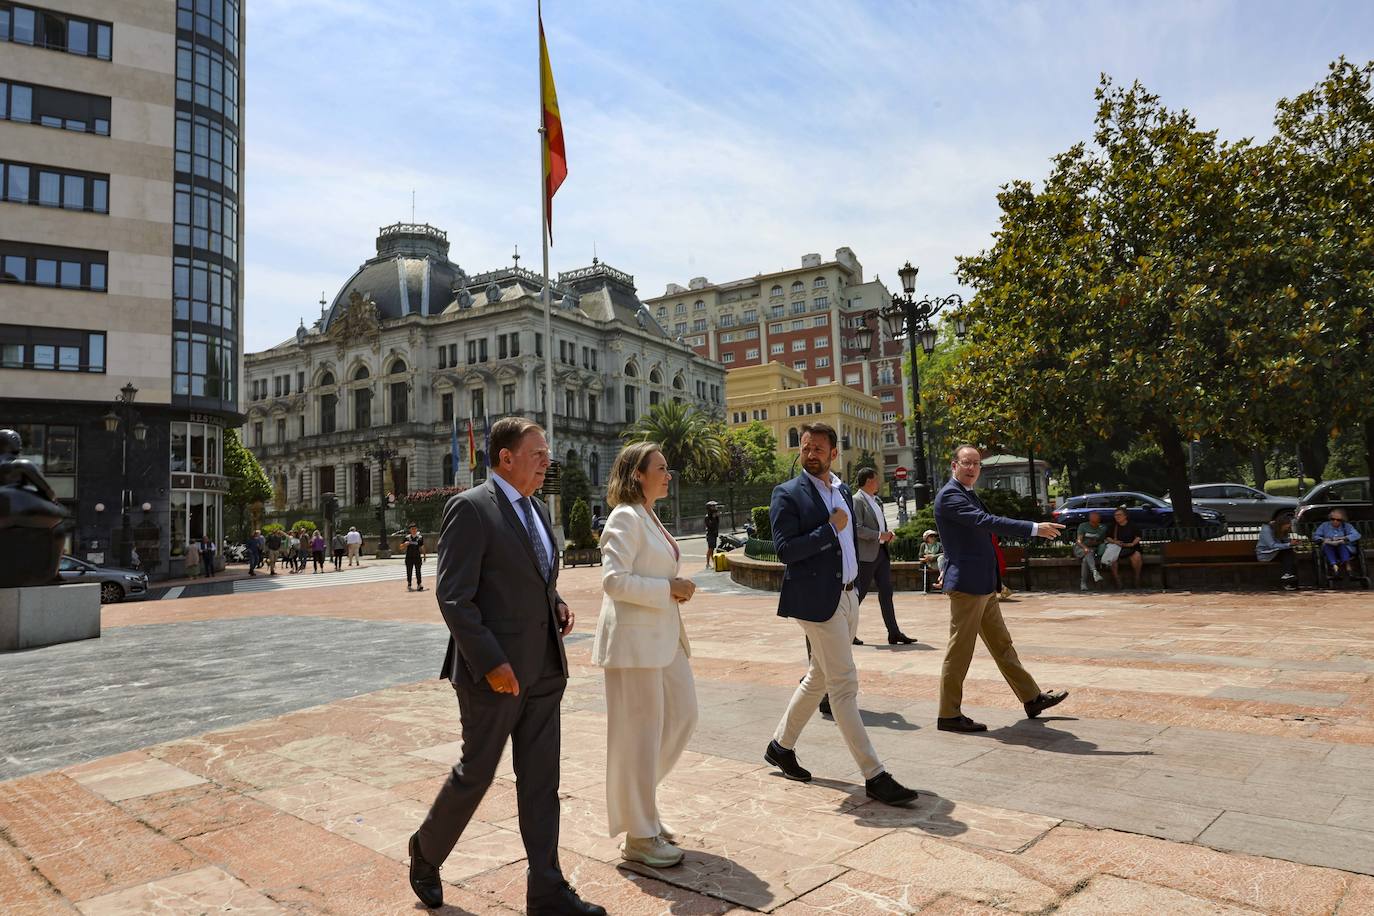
583, 549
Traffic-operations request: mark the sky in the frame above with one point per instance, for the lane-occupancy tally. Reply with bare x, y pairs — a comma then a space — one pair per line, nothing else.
716, 138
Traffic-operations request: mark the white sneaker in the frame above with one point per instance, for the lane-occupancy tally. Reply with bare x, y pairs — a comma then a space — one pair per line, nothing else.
654, 851
1097, 576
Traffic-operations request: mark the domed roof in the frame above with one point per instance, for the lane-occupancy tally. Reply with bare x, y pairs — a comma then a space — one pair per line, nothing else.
411, 274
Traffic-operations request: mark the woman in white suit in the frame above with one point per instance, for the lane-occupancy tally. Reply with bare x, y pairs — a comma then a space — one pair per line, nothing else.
651, 703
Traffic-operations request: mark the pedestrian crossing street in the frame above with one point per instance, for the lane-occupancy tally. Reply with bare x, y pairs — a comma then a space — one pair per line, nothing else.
374, 572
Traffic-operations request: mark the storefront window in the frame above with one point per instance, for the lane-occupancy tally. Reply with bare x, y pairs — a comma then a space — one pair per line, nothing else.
197, 439
212, 450
178, 448
179, 535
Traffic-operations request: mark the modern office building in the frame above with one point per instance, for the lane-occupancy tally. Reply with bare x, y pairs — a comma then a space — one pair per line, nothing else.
411, 345
802, 318
780, 398
120, 282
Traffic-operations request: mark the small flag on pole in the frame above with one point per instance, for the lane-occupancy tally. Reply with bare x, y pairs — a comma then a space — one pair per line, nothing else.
486, 441
453, 445
472, 447
555, 155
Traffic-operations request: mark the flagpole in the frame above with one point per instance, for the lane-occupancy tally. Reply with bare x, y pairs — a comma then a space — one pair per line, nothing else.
544, 238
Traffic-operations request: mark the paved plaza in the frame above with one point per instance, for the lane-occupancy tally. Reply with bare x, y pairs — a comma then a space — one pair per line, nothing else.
271, 751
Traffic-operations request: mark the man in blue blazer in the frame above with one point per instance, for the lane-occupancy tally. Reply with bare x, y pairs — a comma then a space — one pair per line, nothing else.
972, 583
813, 533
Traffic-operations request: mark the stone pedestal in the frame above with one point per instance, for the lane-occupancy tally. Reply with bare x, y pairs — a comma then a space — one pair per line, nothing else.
46, 615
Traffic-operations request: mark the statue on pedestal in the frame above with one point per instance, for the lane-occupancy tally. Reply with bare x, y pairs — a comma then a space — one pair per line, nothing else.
31, 520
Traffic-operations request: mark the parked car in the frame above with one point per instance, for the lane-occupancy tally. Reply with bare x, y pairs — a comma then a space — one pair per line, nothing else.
1351, 495
1146, 512
115, 584
1241, 505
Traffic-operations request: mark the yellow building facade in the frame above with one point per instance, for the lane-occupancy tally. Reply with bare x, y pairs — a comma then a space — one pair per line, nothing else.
778, 396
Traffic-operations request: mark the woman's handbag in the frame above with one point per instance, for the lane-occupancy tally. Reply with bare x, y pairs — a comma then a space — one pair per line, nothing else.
1111, 554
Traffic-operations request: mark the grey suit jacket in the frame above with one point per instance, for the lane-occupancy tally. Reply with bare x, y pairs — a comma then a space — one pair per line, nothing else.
866, 529
497, 606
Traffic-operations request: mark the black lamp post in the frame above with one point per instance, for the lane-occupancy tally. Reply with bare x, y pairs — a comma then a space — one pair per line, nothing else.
123, 417
382, 453
907, 316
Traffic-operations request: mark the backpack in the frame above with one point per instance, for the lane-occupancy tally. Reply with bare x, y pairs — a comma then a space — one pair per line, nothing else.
274, 541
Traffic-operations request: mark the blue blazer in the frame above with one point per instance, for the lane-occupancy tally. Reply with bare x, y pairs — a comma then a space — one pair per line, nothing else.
805, 541
966, 528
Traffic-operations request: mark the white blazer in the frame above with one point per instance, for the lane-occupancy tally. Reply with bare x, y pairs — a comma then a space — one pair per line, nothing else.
640, 625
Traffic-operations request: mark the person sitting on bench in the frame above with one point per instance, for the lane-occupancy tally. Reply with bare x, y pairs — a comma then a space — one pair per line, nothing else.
1276, 543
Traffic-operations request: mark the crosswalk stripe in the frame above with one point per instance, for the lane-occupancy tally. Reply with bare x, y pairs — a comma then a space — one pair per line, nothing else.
288, 581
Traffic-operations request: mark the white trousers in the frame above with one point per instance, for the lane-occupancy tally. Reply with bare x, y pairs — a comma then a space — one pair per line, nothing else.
832, 671
353, 554
650, 714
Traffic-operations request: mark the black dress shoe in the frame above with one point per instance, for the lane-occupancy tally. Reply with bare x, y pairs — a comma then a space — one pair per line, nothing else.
1043, 702
825, 707
901, 639
563, 902
888, 790
786, 761
858, 641
959, 724
424, 878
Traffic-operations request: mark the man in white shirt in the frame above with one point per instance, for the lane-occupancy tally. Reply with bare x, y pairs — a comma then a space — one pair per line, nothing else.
355, 545
872, 536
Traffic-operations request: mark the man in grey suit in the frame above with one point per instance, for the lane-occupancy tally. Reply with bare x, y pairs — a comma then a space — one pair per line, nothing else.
497, 589
871, 537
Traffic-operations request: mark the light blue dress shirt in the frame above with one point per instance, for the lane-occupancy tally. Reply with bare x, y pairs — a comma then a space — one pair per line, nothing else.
833, 499
514, 496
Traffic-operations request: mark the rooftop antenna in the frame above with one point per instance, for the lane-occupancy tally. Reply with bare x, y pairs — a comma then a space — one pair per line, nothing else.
321, 303
595, 260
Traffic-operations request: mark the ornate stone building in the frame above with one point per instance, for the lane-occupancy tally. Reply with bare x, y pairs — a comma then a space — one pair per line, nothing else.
412, 344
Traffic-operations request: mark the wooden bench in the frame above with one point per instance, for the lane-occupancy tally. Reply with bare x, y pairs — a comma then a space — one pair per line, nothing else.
1205, 554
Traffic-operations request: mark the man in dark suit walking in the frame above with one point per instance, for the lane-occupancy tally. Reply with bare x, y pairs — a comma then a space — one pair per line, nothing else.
972, 583
812, 517
875, 565
497, 589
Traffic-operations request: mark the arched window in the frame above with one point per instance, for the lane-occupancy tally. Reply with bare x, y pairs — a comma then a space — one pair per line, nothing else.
698, 306
793, 440
798, 286
776, 291
820, 283
656, 376
326, 380
362, 408
631, 370
680, 309
663, 311
361, 373
679, 382
594, 469
398, 366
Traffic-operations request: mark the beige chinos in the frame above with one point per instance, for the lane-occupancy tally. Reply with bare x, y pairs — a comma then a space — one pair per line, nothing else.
971, 616
832, 670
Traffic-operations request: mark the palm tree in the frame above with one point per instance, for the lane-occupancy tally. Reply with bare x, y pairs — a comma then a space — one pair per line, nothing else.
690, 440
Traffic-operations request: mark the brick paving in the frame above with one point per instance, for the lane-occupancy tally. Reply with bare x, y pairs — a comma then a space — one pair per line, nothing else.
271, 753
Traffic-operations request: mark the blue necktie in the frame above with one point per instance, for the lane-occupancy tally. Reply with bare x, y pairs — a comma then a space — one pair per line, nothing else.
541, 556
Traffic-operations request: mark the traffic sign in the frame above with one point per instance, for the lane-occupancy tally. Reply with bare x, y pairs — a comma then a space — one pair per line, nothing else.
900, 473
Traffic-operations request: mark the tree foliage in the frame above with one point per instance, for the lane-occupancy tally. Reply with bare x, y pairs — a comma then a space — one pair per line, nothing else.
1160, 282
690, 440
248, 482
752, 454
575, 486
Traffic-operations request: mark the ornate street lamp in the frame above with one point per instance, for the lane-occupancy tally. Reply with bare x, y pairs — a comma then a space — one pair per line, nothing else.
910, 318
122, 415
381, 453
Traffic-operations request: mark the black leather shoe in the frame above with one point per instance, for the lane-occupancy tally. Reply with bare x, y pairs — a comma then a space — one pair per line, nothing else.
424, 878
901, 639
959, 724
786, 761
825, 707
563, 902
858, 641
1043, 702
888, 790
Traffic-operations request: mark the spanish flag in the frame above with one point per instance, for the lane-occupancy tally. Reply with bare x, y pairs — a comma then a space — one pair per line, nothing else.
472, 446
555, 155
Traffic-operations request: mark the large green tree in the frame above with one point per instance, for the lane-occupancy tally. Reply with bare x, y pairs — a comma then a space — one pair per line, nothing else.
691, 442
753, 453
1142, 287
1323, 156
247, 480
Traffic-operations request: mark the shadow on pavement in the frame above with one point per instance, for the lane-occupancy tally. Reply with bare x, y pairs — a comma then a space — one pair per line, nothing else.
709, 874
892, 721
930, 813
1038, 734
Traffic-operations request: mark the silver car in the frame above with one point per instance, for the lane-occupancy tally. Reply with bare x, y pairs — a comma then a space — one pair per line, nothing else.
1240, 504
115, 584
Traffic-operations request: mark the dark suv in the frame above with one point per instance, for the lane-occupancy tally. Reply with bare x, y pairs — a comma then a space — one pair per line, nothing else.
1147, 513
1350, 495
